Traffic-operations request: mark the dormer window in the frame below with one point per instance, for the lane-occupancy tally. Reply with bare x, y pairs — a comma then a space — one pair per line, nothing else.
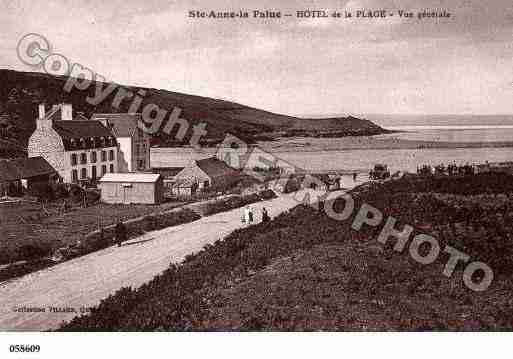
72, 143
102, 141
83, 143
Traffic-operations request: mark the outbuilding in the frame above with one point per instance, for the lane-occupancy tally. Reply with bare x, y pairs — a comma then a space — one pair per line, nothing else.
209, 173
137, 188
25, 173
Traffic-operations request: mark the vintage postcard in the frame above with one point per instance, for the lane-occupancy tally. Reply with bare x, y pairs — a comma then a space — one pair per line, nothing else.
255, 166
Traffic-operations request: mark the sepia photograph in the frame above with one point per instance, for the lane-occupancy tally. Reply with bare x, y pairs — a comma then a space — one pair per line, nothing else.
225, 168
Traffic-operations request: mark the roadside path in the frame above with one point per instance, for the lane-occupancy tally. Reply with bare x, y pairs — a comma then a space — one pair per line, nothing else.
84, 281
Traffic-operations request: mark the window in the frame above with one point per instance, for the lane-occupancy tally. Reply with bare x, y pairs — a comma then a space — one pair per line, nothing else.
83, 173
111, 168
104, 156
137, 150
93, 172
74, 159
111, 155
104, 169
83, 143
74, 176
83, 158
141, 164
93, 157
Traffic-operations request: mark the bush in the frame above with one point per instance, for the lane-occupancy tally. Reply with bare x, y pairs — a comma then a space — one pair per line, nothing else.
42, 191
292, 185
30, 252
76, 192
60, 190
237, 201
92, 197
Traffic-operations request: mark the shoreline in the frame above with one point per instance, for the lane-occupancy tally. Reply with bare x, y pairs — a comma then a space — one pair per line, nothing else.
307, 144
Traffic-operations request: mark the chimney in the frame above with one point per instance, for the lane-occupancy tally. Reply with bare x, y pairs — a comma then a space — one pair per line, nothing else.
42, 122
66, 112
41, 111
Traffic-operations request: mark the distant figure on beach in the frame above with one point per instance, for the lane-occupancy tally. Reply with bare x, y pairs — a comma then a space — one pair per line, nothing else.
265, 215
354, 176
120, 232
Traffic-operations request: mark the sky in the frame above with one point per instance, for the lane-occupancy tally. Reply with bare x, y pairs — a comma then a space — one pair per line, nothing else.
460, 65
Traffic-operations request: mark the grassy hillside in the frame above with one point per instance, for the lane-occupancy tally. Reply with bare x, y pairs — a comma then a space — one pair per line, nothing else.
21, 92
305, 271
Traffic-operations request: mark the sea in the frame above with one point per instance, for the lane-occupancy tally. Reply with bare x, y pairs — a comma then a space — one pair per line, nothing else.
489, 129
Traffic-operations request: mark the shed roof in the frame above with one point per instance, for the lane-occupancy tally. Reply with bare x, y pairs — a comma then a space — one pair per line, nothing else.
167, 171
130, 177
22, 168
215, 168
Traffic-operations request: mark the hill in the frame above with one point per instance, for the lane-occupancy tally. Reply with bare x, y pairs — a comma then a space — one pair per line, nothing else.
304, 271
21, 92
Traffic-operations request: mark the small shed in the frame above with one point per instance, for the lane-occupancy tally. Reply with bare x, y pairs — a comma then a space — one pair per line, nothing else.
19, 173
183, 188
137, 188
209, 173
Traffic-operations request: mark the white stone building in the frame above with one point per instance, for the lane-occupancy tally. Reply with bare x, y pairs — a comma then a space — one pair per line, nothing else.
134, 143
77, 148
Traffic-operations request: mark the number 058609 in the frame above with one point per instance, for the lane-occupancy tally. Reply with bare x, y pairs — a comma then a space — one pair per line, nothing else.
24, 348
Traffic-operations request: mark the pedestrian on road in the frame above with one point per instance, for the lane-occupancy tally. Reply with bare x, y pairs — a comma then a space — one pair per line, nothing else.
265, 215
250, 214
120, 233
245, 215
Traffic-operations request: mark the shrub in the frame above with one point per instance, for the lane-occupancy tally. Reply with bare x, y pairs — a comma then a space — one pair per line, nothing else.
76, 192
237, 201
42, 191
92, 196
60, 190
292, 185
30, 252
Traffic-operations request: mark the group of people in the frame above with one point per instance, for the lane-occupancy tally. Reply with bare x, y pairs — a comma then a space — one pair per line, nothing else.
248, 216
451, 169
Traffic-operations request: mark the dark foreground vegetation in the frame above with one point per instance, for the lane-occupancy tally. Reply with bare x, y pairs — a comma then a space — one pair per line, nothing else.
306, 271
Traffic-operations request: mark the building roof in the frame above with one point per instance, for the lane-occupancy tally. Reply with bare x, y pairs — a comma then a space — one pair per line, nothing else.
215, 168
22, 168
167, 171
86, 129
121, 124
130, 177
81, 129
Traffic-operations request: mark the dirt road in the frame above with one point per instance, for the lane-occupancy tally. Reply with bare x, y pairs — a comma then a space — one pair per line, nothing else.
62, 290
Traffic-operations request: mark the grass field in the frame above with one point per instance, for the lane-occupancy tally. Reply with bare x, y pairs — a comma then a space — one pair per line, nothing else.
25, 223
